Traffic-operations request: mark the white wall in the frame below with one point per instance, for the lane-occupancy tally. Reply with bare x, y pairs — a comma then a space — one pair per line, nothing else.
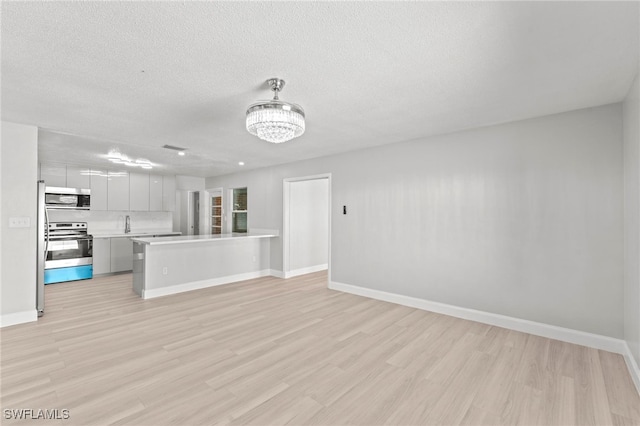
112, 222
522, 219
632, 220
2, 221
18, 197
308, 224
189, 183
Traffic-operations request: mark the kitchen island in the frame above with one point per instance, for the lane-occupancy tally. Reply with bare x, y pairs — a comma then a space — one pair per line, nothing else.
169, 265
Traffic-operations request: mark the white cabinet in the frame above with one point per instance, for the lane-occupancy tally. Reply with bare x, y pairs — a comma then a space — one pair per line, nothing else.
121, 254
101, 255
115, 190
78, 177
168, 193
53, 174
139, 192
155, 193
65, 176
118, 191
98, 185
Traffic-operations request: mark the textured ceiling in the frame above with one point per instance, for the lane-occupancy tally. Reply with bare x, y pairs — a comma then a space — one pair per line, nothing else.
138, 75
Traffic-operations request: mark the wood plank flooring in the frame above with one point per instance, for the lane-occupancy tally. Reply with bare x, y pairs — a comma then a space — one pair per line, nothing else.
272, 352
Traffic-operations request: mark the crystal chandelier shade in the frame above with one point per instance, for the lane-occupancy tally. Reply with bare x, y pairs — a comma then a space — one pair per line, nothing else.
275, 121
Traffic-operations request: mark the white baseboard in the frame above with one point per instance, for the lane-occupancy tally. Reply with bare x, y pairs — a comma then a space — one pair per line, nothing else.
276, 273
307, 270
632, 365
197, 285
18, 318
596, 341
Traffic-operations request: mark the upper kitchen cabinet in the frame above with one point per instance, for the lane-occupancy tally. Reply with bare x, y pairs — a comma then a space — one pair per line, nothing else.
98, 185
53, 174
138, 192
78, 177
118, 190
155, 193
115, 190
168, 193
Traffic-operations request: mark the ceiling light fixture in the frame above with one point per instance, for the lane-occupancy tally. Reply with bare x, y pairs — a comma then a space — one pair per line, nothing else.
275, 121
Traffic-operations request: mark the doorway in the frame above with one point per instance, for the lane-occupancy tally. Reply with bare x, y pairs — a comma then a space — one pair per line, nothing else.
216, 216
307, 225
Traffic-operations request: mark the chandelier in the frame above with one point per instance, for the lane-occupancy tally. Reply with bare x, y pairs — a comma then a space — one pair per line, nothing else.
275, 121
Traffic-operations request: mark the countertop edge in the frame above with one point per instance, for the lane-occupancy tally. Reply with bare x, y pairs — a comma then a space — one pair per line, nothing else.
137, 235
185, 239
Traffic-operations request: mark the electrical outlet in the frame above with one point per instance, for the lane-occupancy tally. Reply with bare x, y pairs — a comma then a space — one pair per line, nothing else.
20, 222
165, 271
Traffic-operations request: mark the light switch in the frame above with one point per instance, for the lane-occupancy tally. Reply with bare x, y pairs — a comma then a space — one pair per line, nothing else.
20, 222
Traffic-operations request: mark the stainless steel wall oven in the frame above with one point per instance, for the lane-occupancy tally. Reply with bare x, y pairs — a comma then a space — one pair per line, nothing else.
68, 252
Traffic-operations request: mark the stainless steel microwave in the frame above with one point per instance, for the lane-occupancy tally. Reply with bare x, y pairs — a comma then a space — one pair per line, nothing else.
67, 198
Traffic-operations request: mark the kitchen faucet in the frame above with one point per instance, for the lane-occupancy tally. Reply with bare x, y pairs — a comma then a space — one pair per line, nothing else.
127, 224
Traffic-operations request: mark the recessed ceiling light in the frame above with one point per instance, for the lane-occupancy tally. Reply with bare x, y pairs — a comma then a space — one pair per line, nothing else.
240, 163
181, 153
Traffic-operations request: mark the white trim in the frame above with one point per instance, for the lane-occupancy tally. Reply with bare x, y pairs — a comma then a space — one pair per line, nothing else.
197, 285
213, 192
286, 185
276, 273
307, 270
596, 341
7, 320
632, 365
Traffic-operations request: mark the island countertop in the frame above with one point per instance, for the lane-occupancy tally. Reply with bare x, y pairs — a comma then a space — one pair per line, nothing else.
142, 234
184, 239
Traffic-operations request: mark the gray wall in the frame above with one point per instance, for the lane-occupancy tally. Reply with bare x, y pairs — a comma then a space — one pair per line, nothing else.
522, 219
632, 220
18, 195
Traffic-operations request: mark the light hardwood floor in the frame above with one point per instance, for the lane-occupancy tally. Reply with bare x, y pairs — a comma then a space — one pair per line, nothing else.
273, 351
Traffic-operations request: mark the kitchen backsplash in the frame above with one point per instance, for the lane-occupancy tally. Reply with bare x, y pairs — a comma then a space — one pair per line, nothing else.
108, 222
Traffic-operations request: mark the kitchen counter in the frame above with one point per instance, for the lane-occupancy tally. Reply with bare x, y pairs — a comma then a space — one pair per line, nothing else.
169, 265
186, 239
133, 234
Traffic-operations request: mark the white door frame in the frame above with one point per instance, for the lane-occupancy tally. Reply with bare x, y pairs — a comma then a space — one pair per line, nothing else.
228, 228
208, 194
286, 184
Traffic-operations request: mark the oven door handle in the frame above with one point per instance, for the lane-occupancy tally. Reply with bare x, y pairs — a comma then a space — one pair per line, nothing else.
58, 243
46, 232
71, 238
